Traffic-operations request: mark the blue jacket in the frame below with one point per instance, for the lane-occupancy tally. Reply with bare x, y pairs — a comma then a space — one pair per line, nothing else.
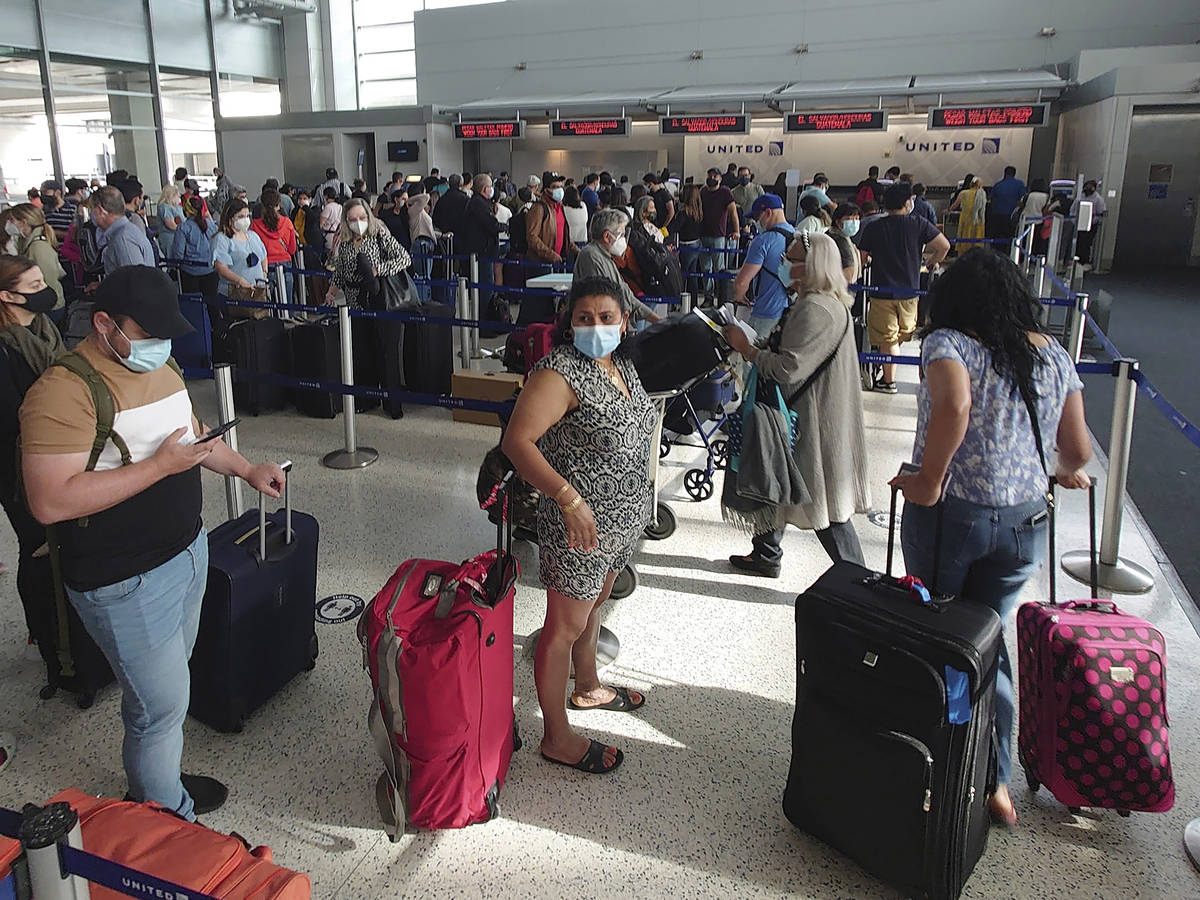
192, 244
124, 244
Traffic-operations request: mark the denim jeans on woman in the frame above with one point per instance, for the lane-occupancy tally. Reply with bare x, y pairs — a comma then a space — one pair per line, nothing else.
987, 555
146, 626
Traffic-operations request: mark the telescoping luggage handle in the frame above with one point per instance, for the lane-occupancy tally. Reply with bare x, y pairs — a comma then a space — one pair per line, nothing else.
937, 537
287, 506
1094, 569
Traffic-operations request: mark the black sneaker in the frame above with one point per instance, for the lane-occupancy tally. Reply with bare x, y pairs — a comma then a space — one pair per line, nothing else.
208, 794
755, 565
886, 387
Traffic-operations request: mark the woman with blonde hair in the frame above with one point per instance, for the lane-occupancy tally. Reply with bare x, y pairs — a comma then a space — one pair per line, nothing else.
37, 242
365, 254
811, 355
170, 216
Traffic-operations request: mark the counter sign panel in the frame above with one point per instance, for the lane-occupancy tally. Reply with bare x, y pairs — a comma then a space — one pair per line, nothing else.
1012, 115
836, 121
723, 124
589, 128
489, 131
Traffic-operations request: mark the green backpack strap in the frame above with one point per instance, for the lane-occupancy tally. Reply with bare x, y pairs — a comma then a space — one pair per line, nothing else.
106, 411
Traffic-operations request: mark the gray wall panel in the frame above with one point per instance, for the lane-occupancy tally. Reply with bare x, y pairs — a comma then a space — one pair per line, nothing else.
470, 53
20, 23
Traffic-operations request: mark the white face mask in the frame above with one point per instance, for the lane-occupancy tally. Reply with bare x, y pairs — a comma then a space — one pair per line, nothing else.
242, 224
618, 246
11, 228
358, 226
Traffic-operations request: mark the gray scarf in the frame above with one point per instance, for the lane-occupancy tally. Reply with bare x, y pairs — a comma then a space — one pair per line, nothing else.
767, 476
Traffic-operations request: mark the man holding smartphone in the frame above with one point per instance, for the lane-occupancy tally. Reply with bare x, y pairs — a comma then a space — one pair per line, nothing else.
110, 457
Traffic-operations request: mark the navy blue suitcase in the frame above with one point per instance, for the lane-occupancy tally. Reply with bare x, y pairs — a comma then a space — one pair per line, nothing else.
257, 625
194, 350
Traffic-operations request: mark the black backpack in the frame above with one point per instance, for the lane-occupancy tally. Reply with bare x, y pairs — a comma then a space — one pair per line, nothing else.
313, 235
518, 238
661, 274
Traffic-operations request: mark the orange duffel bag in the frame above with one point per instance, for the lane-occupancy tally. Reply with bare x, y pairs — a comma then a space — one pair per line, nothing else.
155, 841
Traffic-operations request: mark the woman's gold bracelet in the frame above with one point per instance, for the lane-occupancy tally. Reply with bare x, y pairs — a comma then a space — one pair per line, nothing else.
573, 505
566, 486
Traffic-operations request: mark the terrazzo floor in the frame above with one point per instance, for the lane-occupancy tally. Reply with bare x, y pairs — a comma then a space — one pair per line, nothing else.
695, 810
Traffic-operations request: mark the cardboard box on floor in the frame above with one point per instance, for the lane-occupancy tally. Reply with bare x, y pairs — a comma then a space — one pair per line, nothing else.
494, 386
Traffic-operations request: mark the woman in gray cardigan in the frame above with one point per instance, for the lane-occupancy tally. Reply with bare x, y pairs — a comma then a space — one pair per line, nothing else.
815, 340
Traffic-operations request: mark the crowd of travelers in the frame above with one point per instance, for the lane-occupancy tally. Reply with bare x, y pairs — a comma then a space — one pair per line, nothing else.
985, 362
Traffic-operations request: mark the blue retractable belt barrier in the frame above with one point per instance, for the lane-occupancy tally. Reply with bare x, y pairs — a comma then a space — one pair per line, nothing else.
1168, 409
1109, 347
123, 879
357, 390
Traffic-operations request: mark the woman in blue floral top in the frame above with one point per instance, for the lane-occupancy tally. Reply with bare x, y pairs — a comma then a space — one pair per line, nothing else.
982, 355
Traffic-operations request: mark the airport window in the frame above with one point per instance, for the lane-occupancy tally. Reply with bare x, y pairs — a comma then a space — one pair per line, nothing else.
24, 133
188, 121
105, 117
385, 41
241, 96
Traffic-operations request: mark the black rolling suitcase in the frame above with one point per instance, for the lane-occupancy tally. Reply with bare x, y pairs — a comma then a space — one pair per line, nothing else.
390, 355
259, 345
444, 270
428, 351
73, 661
892, 752
257, 624
317, 355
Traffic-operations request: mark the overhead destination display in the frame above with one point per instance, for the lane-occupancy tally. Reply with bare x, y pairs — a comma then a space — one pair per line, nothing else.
489, 131
738, 123
836, 120
1008, 115
589, 127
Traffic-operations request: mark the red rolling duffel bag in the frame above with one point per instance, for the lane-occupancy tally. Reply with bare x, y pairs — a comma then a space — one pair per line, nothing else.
438, 644
1093, 701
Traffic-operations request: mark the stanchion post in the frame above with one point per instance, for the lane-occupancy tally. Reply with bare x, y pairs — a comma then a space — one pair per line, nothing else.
1014, 251
43, 831
223, 381
351, 456
1075, 282
1029, 242
1039, 285
462, 311
1075, 327
299, 280
1114, 573
281, 288
685, 301
473, 309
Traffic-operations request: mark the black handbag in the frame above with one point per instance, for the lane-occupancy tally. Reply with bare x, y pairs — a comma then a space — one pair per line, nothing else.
396, 292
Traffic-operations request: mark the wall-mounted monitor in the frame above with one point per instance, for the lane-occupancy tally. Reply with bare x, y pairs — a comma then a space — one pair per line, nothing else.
1006, 115
836, 121
489, 131
403, 151
738, 123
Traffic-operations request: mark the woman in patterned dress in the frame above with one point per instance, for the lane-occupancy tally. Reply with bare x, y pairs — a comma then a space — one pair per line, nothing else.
986, 362
580, 435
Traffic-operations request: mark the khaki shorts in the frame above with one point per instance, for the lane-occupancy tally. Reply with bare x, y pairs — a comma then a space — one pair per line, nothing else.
891, 321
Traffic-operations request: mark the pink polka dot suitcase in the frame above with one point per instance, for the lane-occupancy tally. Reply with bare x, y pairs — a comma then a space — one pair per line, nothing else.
1093, 704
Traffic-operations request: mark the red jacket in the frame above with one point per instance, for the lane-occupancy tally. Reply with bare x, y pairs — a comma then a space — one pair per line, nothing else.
280, 243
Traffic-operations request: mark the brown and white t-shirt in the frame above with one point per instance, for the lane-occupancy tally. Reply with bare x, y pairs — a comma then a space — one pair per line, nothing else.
143, 532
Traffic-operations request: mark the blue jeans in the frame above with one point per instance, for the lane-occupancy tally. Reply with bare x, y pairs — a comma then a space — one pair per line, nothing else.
712, 262
987, 555
689, 261
146, 626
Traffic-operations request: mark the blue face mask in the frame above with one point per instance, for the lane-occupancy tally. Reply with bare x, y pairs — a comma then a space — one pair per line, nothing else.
850, 227
785, 272
144, 355
557, 195
597, 341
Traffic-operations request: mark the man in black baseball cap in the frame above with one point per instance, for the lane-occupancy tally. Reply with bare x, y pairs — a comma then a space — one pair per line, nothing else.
110, 456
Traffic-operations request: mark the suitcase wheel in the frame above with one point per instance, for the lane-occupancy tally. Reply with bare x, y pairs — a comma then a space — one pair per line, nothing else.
720, 454
1074, 810
394, 838
664, 527
698, 484
1033, 783
664, 447
314, 650
625, 583
47, 692
1123, 813
85, 699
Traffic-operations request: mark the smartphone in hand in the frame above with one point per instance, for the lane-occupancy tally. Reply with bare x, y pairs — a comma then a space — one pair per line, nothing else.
218, 431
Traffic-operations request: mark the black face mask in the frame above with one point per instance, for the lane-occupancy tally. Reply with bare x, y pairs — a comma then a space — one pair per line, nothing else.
713, 182
40, 301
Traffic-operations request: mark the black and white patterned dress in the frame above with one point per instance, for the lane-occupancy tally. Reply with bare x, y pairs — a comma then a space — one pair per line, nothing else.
603, 448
